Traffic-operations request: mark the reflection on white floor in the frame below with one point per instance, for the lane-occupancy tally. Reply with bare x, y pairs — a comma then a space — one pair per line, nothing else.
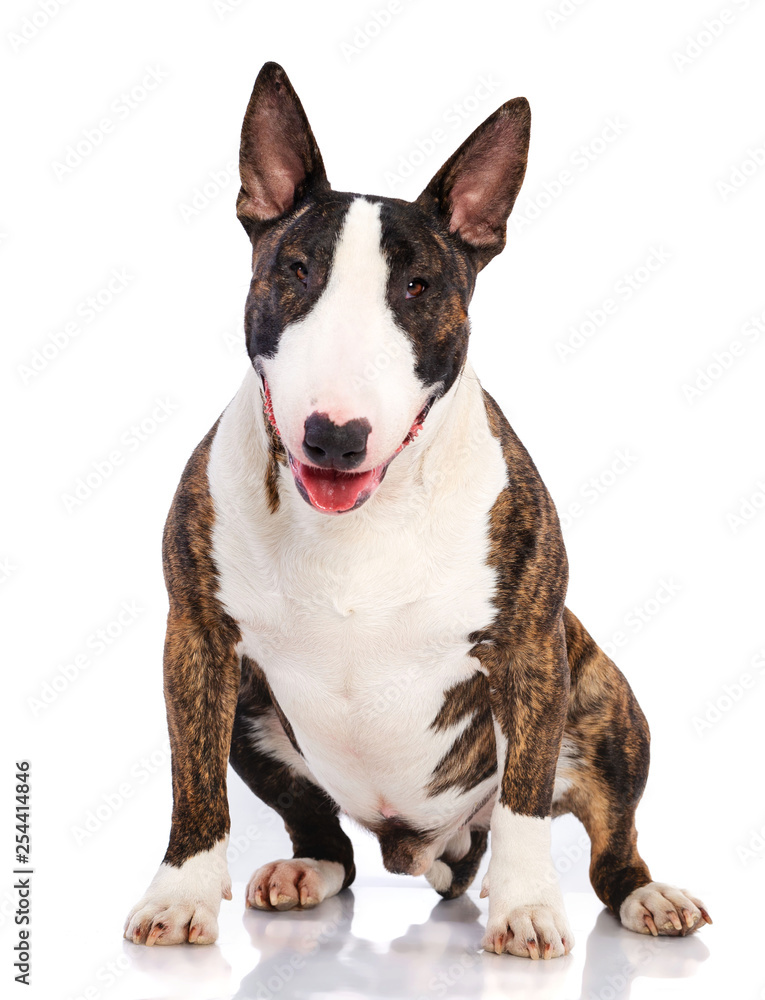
397, 942
391, 936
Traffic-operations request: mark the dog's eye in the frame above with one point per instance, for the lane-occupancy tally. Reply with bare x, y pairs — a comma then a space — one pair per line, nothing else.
416, 287
301, 272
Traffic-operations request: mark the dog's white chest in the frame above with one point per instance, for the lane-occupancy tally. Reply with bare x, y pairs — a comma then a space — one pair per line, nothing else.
361, 623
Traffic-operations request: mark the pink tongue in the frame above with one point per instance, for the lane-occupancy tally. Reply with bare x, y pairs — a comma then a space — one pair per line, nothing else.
329, 489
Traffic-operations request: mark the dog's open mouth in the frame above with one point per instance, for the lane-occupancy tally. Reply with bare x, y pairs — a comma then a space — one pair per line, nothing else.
335, 492
332, 491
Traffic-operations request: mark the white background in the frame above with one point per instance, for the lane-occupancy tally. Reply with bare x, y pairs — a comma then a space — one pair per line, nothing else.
659, 567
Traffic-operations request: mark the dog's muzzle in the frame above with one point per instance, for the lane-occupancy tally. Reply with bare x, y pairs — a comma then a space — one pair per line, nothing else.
327, 481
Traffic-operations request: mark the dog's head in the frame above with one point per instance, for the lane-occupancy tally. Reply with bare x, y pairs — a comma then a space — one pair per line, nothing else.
356, 319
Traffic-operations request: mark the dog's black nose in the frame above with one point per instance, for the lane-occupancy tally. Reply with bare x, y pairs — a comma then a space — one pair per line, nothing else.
333, 447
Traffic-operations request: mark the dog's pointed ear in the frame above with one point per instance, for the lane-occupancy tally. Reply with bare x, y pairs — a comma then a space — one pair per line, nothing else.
279, 161
476, 188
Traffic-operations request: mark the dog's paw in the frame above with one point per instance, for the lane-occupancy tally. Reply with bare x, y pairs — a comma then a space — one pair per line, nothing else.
527, 917
658, 908
440, 876
162, 921
301, 882
534, 931
182, 903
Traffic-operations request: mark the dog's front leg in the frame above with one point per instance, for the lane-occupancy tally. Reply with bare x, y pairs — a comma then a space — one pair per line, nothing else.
529, 683
201, 670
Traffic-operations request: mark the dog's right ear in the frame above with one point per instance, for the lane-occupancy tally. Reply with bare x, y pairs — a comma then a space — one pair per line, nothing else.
475, 190
279, 161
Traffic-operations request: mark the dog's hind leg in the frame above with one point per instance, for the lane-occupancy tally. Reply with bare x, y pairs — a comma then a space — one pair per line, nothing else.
451, 876
266, 757
606, 770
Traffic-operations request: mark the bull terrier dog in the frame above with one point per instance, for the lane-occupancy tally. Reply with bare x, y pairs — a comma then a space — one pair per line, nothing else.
366, 577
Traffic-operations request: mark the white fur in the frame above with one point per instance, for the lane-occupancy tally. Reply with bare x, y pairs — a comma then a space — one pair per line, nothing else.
458, 845
268, 735
183, 899
525, 899
664, 905
348, 358
500, 744
439, 875
291, 882
360, 622
521, 868
565, 771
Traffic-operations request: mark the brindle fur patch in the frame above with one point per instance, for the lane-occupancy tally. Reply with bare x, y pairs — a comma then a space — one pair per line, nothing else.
256, 696
276, 456
472, 758
402, 846
201, 668
277, 297
546, 674
610, 733
524, 648
436, 322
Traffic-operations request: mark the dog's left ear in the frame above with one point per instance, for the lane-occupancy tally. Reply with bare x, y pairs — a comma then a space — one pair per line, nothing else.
279, 161
476, 188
